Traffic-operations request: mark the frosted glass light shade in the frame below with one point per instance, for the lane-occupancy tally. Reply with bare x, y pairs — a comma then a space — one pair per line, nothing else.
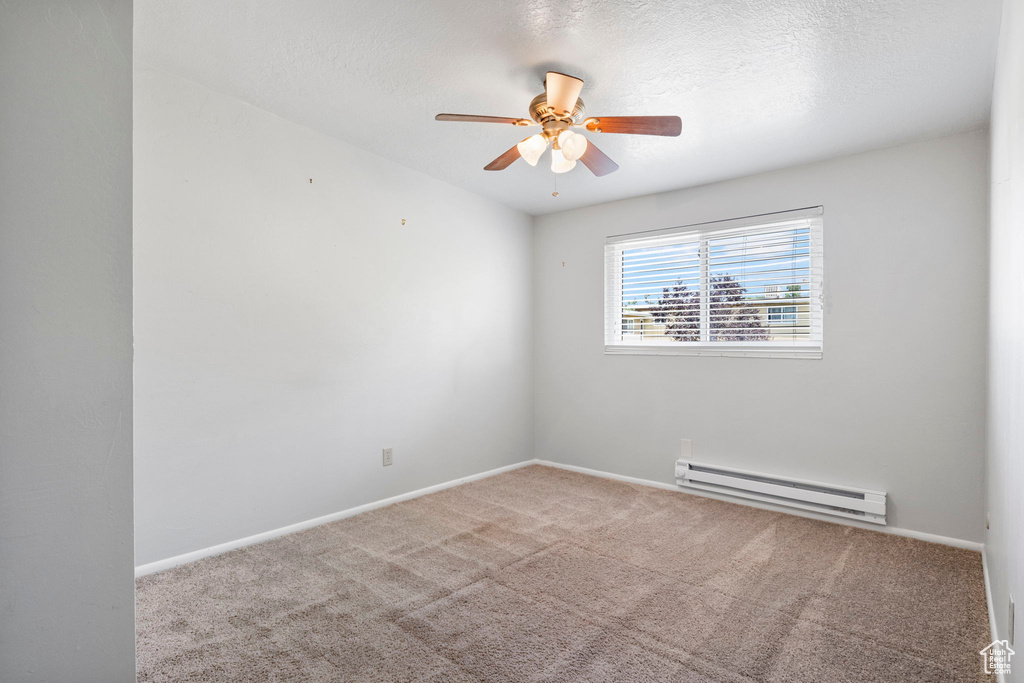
573, 144
531, 148
559, 164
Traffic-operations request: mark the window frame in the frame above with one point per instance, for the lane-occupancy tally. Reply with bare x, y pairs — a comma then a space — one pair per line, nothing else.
811, 217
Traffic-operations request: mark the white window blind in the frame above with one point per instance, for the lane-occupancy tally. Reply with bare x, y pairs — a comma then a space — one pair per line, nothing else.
744, 287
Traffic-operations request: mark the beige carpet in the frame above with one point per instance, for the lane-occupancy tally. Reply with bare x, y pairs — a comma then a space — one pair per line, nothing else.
541, 574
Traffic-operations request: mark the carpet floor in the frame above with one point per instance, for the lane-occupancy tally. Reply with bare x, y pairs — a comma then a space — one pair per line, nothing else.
540, 574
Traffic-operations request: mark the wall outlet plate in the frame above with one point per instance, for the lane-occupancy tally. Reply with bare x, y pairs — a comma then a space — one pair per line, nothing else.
389, 456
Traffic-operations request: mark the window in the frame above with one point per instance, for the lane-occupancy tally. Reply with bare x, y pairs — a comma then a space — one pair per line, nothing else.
782, 314
744, 287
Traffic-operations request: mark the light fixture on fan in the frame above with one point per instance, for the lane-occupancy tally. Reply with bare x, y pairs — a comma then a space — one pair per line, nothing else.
573, 145
558, 109
559, 163
532, 147
567, 148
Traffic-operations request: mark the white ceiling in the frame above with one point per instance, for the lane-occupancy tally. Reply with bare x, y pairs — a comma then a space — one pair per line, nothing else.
759, 84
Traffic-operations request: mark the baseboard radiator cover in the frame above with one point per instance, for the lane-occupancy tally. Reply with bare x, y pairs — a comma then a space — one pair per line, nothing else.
829, 499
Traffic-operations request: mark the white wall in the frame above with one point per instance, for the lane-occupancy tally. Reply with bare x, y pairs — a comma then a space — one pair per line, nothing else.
66, 579
896, 403
287, 331
1005, 462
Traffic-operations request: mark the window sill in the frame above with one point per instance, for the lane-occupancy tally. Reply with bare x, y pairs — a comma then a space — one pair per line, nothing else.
729, 351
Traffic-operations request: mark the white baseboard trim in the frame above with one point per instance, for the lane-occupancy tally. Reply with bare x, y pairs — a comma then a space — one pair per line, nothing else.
178, 560
612, 475
920, 535
993, 631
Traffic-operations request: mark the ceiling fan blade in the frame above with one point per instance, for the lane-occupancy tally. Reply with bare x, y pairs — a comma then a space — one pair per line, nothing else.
505, 160
636, 125
597, 161
470, 118
562, 92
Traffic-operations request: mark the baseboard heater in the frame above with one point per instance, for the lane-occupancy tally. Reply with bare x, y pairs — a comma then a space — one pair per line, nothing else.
841, 501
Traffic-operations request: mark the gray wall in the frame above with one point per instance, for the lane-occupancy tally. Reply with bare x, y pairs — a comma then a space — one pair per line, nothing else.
896, 403
1005, 464
287, 331
66, 587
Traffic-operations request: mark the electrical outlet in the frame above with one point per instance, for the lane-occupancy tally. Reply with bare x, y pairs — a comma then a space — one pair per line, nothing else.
1010, 628
388, 456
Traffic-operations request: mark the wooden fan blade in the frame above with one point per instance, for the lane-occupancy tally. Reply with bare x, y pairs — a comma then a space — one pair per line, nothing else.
504, 160
562, 92
470, 118
636, 125
597, 161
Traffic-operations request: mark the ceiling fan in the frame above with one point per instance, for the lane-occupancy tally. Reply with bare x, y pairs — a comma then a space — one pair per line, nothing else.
559, 109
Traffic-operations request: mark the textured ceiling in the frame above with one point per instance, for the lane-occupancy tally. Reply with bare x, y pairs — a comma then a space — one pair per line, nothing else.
759, 84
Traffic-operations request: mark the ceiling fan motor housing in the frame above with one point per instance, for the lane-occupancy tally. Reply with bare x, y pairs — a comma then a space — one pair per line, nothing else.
554, 122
